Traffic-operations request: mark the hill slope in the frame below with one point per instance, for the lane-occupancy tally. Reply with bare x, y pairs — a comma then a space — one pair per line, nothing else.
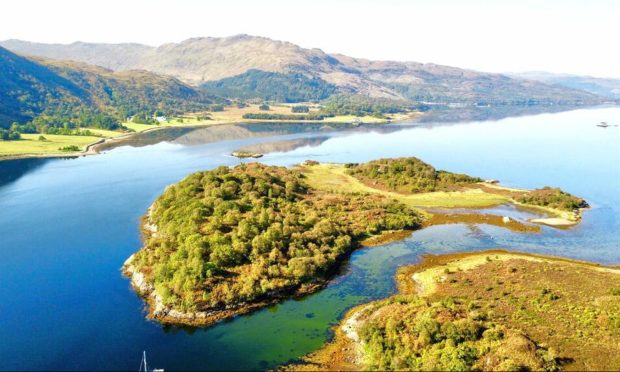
55, 92
29, 89
199, 60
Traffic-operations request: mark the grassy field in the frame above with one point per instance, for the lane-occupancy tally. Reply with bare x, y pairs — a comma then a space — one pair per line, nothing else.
104, 133
30, 144
332, 177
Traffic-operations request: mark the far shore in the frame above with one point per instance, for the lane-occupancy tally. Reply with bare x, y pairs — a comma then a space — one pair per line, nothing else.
93, 148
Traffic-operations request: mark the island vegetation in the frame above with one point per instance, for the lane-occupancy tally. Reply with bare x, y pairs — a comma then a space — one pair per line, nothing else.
554, 198
226, 241
490, 310
408, 175
225, 238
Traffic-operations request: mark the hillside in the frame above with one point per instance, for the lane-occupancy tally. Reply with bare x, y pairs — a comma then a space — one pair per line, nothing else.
601, 86
124, 93
57, 92
29, 89
199, 60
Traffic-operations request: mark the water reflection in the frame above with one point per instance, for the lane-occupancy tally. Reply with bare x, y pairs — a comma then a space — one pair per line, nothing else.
444, 114
12, 170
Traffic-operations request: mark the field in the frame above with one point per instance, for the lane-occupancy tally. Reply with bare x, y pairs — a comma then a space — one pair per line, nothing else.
332, 177
30, 144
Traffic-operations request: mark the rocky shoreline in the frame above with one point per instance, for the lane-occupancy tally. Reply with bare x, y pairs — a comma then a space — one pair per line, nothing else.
165, 314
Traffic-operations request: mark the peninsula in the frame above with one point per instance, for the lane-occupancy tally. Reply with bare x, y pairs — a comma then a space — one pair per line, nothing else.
227, 241
489, 310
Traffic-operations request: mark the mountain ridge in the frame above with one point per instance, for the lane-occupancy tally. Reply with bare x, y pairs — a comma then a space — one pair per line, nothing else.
200, 60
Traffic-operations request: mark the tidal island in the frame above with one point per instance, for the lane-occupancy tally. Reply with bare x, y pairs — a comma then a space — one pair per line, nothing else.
228, 241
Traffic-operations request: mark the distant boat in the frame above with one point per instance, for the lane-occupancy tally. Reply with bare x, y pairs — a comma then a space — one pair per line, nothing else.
603, 124
144, 366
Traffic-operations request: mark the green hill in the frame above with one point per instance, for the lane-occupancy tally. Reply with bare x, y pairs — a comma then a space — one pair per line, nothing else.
52, 93
273, 86
29, 89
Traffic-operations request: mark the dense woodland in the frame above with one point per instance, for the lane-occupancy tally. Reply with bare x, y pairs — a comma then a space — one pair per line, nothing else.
410, 333
360, 106
229, 236
271, 86
408, 175
551, 197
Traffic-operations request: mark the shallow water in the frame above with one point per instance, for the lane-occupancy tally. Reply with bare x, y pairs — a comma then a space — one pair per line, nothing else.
67, 225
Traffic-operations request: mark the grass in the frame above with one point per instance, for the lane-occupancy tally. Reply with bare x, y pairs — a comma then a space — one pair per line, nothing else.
332, 177
30, 144
104, 133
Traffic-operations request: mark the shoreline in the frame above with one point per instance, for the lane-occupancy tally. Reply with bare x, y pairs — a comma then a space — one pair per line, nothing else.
156, 310
168, 316
92, 148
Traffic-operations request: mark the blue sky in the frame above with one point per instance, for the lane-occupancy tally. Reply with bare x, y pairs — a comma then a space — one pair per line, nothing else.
497, 36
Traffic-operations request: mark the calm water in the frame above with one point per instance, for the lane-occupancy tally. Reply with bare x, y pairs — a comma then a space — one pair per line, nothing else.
67, 225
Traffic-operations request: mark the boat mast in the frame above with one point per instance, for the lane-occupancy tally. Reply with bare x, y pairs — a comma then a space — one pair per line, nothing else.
143, 362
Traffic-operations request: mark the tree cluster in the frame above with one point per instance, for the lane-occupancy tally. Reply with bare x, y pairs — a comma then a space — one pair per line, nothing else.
552, 198
271, 86
288, 117
408, 333
408, 175
300, 109
9, 135
361, 106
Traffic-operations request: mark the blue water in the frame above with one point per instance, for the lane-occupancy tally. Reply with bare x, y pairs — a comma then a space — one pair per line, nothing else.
67, 225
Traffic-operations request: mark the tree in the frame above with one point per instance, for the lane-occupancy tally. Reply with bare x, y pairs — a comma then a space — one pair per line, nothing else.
264, 107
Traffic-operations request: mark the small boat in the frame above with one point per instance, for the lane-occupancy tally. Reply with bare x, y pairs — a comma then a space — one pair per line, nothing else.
144, 366
603, 124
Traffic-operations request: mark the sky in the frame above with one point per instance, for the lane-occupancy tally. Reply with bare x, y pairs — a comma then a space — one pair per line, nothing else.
569, 36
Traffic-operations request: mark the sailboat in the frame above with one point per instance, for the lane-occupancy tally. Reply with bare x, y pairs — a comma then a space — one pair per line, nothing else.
144, 367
